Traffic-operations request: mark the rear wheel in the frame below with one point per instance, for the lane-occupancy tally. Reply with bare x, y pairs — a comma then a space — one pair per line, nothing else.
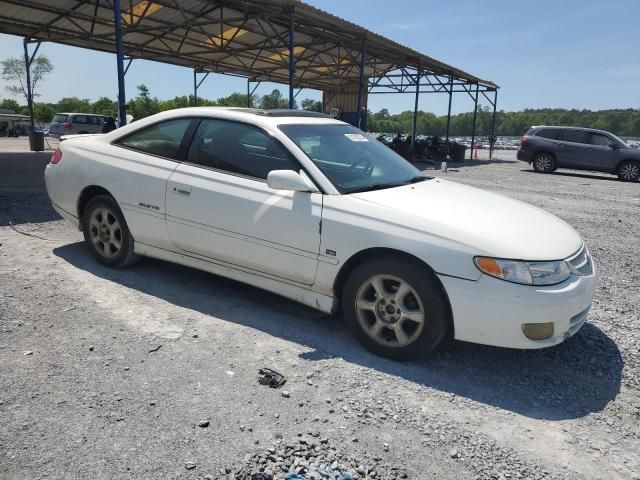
106, 233
395, 308
629, 171
544, 163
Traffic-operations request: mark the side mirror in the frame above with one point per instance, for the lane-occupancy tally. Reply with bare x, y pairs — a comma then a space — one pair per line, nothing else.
289, 180
613, 146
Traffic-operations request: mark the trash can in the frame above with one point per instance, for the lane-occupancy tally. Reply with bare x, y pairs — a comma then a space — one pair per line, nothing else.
457, 152
36, 141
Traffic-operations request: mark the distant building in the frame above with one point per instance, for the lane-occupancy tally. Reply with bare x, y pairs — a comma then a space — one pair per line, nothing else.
12, 125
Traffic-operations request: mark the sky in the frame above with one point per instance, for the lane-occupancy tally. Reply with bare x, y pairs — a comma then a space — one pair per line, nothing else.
582, 54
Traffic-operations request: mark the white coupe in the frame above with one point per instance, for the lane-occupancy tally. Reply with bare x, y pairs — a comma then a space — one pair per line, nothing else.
310, 208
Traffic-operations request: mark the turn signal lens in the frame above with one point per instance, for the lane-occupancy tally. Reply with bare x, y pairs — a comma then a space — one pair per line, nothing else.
57, 156
489, 266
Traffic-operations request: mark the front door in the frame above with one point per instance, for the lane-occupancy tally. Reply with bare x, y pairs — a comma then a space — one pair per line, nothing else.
602, 157
219, 205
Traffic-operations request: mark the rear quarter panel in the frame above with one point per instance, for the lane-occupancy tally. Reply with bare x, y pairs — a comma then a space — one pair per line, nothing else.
137, 182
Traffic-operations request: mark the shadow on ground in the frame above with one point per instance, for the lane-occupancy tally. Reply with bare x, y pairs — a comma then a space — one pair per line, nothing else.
589, 176
569, 381
23, 198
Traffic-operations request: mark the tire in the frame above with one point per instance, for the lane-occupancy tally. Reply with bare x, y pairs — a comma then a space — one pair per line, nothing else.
106, 233
629, 171
401, 326
544, 162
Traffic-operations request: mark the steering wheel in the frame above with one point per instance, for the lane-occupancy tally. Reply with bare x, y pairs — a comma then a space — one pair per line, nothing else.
364, 160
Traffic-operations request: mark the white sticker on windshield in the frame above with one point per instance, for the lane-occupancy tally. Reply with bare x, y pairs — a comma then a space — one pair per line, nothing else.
356, 137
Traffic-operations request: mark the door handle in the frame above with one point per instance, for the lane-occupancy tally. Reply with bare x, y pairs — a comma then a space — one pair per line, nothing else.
182, 190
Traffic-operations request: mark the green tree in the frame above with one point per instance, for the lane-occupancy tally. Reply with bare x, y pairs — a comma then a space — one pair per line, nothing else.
105, 106
234, 100
274, 100
74, 105
10, 104
143, 105
311, 105
14, 71
44, 112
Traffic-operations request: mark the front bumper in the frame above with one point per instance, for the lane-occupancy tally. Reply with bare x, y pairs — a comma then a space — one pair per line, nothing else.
492, 312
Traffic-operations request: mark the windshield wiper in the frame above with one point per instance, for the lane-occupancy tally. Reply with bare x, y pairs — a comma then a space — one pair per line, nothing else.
381, 186
374, 186
419, 178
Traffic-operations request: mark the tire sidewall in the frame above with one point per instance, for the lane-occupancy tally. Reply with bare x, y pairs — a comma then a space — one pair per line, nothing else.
126, 251
551, 167
622, 165
428, 289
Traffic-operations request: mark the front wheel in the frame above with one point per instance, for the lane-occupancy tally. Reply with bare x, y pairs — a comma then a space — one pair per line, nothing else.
106, 233
629, 171
544, 163
395, 308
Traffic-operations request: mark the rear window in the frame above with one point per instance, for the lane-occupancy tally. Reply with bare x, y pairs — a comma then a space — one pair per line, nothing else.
60, 118
548, 133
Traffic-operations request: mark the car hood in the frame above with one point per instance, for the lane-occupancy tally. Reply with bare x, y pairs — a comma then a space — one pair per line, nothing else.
488, 223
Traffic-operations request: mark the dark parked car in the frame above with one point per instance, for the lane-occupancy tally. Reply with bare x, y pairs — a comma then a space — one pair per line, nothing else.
548, 148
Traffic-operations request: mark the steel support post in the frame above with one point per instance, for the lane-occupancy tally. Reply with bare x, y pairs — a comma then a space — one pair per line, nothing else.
27, 66
122, 105
195, 88
449, 109
493, 124
292, 62
475, 115
361, 83
248, 93
415, 111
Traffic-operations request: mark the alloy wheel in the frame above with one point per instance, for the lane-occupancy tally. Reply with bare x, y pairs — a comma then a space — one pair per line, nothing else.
390, 311
543, 162
630, 171
105, 232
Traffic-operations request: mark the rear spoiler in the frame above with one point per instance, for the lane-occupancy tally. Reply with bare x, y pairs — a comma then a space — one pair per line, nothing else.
83, 135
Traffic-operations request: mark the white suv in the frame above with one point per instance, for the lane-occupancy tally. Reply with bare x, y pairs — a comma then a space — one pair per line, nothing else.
311, 208
80, 123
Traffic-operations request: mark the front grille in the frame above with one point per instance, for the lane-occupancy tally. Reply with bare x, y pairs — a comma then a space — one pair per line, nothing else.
581, 262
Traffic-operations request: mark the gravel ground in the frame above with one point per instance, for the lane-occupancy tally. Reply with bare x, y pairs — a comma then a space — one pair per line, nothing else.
151, 371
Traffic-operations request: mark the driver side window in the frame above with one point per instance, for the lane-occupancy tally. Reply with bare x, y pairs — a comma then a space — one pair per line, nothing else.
239, 149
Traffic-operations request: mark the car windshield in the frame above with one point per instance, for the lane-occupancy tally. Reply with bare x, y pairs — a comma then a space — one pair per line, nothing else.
352, 161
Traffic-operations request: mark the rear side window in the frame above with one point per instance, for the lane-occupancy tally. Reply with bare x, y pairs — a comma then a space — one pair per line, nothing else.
239, 149
574, 136
79, 119
59, 118
551, 133
162, 139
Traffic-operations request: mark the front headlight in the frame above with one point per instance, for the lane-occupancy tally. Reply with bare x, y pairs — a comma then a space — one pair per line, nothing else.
526, 273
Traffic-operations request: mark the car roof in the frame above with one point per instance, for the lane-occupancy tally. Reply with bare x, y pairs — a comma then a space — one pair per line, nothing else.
81, 113
566, 127
262, 118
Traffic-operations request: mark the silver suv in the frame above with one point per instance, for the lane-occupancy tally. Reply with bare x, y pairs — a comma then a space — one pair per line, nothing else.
77, 123
548, 148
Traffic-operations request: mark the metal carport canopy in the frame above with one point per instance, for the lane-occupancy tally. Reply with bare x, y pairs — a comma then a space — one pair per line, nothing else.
250, 38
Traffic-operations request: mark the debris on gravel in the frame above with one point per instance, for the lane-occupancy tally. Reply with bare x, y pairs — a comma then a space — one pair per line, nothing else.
306, 459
